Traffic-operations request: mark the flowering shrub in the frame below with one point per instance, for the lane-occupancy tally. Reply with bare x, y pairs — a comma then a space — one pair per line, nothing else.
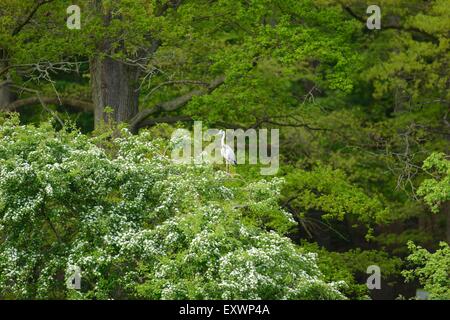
137, 225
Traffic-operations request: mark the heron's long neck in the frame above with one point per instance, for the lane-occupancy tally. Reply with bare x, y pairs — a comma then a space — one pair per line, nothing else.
223, 139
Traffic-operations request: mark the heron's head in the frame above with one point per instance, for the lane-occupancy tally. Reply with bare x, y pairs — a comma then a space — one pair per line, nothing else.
221, 133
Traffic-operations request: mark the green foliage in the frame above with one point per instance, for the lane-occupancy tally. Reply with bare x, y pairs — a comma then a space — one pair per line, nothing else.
431, 269
329, 191
351, 267
261, 46
437, 190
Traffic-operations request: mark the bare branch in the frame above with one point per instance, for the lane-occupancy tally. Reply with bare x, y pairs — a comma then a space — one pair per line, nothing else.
44, 69
38, 96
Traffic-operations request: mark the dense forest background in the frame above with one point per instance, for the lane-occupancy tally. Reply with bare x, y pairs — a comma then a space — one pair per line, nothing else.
87, 116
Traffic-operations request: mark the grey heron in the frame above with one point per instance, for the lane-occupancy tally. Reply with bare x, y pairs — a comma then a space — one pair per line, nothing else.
226, 151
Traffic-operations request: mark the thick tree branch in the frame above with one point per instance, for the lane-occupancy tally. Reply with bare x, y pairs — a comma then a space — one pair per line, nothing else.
154, 121
288, 124
78, 105
174, 104
166, 83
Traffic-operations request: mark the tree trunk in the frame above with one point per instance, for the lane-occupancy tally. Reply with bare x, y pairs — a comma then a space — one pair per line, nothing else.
114, 84
7, 96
